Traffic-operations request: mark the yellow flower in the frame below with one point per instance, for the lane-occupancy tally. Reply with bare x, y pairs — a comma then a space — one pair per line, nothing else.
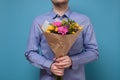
56, 29
76, 24
47, 31
73, 32
50, 27
80, 28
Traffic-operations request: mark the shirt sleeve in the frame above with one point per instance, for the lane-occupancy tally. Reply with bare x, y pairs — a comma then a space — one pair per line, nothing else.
32, 52
90, 52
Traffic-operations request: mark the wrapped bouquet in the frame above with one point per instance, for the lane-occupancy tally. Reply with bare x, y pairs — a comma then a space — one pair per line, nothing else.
61, 36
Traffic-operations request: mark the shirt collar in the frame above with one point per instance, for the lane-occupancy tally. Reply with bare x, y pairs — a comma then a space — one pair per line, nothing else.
54, 15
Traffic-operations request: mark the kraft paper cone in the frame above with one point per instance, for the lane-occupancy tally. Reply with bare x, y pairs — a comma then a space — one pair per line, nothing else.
61, 44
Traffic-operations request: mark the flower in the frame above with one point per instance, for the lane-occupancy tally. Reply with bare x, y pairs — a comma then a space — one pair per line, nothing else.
48, 31
76, 24
50, 28
58, 24
80, 28
73, 32
63, 30
56, 29
64, 27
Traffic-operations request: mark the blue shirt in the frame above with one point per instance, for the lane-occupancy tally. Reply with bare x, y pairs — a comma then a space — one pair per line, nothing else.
83, 51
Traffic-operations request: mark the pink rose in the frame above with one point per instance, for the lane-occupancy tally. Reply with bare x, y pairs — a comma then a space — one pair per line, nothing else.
58, 24
63, 30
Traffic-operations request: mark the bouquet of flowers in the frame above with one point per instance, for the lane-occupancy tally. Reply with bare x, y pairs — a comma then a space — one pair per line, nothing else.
61, 36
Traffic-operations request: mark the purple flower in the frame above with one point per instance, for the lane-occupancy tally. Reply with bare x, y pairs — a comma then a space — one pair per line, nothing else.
63, 30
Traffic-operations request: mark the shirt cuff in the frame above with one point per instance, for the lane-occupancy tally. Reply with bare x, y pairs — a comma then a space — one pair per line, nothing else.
74, 63
47, 65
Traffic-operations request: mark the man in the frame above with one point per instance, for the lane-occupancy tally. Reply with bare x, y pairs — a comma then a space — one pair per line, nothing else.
83, 51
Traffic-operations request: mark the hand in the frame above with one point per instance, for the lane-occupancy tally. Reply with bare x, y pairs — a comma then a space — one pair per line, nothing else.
57, 71
63, 62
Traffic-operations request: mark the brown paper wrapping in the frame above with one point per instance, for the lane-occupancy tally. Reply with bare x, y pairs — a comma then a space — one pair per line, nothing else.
61, 44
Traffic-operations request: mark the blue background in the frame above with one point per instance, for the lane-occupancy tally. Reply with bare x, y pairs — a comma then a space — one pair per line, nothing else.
16, 17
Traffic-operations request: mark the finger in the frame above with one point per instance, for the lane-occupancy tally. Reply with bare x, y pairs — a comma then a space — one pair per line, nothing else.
60, 59
66, 66
60, 67
59, 72
64, 61
63, 67
61, 64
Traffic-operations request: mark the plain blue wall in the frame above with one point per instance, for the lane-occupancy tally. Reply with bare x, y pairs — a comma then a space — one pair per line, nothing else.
16, 17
